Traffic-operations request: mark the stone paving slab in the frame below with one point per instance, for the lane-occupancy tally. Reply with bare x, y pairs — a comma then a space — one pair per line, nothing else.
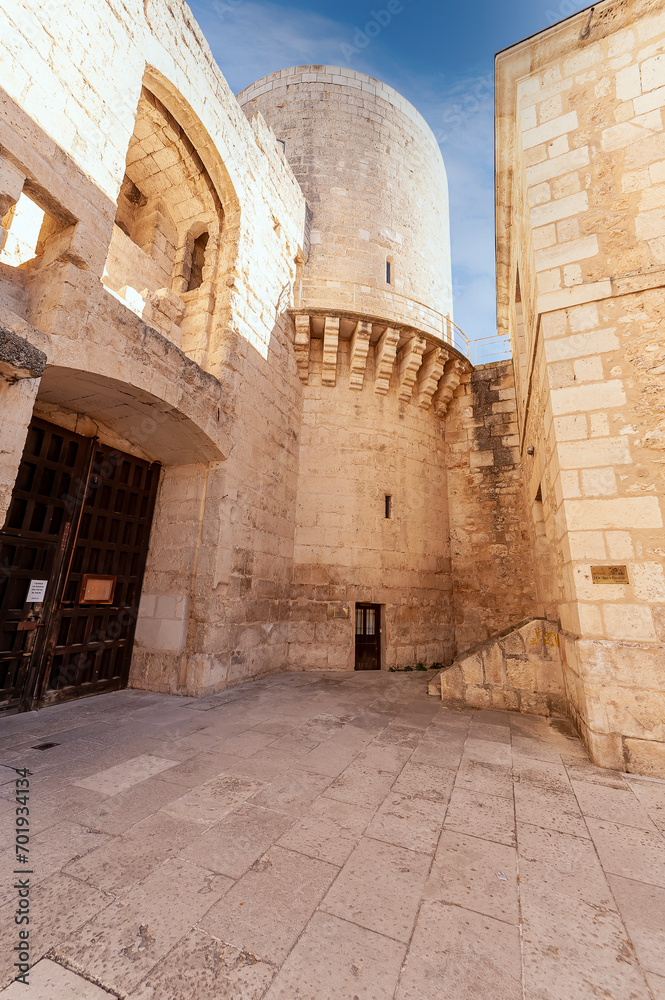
328, 837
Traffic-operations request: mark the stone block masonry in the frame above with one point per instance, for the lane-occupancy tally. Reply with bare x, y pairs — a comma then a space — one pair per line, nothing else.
581, 290
490, 532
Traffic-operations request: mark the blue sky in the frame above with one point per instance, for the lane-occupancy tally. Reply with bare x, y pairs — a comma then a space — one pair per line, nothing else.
439, 55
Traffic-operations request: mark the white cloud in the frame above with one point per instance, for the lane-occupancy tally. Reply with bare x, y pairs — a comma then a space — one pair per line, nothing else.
249, 39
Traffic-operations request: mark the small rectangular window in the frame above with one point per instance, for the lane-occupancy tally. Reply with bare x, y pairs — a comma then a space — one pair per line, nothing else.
389, 506
389, 273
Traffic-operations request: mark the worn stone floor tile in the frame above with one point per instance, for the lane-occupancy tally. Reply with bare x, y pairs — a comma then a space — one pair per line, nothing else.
118, 813
559, 862
615, 803
208, 803
487, 751
439, 752
52, 849
399, 735
384, 758
329, 830
629, 851
490, 732
642, 908
279, 726
265, 765
491, 817
490, 717
267, 910
200, 966
552, 810
50, 805
327, 760
657, 985
426, 782
584, 770
408, 821
336, 960
573, 949
536, 749
199, 768
457, 954
120, 945
49, 981
58, 906
549, 775
295, 742
231, 846
379, 888
246, 744
489, 779
476, 874
652, 796
361, 785
123, 861
293, 791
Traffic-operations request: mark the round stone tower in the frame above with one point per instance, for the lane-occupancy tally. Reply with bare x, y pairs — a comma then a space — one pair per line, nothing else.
377, 355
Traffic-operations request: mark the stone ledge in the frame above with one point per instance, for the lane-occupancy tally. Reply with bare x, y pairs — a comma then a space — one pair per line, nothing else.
19, 358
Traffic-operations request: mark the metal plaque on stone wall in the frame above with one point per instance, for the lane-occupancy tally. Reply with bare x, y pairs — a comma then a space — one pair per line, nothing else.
609, 574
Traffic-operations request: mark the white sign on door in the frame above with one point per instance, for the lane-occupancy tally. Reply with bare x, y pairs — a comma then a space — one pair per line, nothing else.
36, 591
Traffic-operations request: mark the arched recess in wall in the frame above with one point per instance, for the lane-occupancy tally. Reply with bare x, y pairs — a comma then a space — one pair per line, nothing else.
174, 244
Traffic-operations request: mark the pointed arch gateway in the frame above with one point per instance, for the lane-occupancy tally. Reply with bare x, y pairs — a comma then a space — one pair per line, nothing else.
177, 222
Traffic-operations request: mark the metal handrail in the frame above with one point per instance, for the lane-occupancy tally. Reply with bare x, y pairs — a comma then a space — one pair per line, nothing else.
482, 350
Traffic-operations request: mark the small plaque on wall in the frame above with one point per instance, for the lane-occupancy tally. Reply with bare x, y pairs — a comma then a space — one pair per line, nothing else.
97, 589
609, 574
341, 612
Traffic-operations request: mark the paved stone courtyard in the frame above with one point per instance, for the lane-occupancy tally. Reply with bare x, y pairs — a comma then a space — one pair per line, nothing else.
329, 837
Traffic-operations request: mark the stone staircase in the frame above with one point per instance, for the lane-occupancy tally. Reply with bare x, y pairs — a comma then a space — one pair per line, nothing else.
519, 670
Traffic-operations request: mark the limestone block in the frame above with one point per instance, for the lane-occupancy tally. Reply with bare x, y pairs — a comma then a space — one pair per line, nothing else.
645, 757
409, 361
302, 346
429, 376
358, 354
452, 684
493, 664
521, 673
472, 670
330, 346
386, 352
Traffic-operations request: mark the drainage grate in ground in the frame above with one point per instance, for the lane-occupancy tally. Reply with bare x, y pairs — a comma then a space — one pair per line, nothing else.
45, 746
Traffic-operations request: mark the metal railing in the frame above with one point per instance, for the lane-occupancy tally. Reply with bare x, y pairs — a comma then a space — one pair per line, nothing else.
406, 310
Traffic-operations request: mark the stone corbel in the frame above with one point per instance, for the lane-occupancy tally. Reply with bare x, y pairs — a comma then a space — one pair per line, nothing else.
301, 346
19, 359
452, 377
358, 354
409, 361
330, 344
386, 352
429, 376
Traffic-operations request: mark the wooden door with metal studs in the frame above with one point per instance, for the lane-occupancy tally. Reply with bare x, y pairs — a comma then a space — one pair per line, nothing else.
72, 557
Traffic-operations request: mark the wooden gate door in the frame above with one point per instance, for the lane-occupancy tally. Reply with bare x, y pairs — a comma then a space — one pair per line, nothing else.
73, 554
368, 636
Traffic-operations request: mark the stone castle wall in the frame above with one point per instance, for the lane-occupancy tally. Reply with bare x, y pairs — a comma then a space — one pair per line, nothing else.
492, 532
203, 381
376, 186
581, 272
